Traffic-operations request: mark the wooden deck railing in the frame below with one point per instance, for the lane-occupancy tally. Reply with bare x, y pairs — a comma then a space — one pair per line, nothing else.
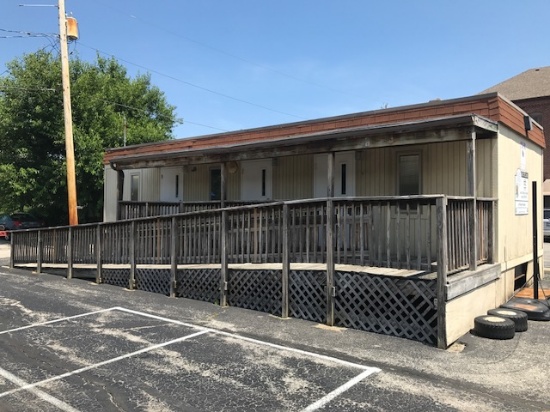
394, 232
135, 210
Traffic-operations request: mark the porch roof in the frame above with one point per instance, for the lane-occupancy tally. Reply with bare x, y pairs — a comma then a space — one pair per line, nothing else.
428, 123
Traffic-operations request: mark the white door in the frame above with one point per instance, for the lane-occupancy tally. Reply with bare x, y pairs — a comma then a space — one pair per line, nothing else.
256, 179
344, 174
171, 184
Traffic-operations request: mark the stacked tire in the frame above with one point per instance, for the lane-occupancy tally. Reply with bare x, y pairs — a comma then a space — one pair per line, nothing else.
500, 323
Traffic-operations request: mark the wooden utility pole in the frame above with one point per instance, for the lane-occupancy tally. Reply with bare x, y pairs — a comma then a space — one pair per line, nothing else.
69, 146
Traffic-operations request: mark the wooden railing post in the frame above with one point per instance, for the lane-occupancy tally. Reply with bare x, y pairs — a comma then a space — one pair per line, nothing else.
173, 256
70, 253
285, 261
39, 253
491, 247
224, 262
132, 257
99, 254
473, 231
441, 287
330, 292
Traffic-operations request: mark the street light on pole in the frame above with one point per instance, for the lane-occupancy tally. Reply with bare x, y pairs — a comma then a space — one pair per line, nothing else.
69, 146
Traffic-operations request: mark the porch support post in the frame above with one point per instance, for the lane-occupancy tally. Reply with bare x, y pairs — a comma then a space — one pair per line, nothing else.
286, 261
223, 183
330, 292
441, 287
472, 191
224, 263
119, 193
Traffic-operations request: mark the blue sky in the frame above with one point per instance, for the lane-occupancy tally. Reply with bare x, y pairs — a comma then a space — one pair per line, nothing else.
229, 65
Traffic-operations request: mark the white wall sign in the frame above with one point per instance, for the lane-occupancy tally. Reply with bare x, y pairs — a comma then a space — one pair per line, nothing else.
522, 192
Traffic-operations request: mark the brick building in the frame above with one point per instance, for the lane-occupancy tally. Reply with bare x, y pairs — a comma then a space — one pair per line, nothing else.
530, 90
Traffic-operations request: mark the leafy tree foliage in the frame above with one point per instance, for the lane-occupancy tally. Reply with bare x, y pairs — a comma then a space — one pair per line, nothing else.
32, 134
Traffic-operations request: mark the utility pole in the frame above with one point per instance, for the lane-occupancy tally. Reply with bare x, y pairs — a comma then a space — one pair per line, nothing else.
69, 146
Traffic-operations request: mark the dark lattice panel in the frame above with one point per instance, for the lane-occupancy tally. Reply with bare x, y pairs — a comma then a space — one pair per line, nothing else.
153, 280
199, 284
259, 290
116, 277
306, 295
387, 305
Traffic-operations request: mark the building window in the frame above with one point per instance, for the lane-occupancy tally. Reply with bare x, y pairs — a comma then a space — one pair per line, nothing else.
343, 179
409, 174
134, 188
177, 186
215, 184
264, 174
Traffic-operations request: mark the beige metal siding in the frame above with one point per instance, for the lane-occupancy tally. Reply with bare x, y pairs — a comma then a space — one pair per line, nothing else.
150, 185
293, 177
486, 167
376, 172
445, 169
515, 242
196, 183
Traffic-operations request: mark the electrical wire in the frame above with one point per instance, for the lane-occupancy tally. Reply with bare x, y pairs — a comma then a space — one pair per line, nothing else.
23, 34
168, 117
228, 54
195, 85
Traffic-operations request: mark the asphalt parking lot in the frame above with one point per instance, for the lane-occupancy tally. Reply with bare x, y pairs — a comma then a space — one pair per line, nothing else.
116, 357
74, 345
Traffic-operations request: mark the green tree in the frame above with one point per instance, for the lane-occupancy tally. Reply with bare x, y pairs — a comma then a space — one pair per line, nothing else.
32, 136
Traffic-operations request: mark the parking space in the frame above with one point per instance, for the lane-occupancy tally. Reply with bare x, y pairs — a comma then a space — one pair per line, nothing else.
121, 359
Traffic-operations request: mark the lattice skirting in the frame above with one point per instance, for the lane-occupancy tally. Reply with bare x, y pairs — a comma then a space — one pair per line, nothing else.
387, 305
153, 280
259, 290
199, 284
391, 306
116, 277
306, 295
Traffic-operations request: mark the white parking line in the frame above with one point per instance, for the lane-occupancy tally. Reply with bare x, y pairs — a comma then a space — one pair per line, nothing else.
256, 341
367, 371
97, 365
42, 395
338, 391
33, 325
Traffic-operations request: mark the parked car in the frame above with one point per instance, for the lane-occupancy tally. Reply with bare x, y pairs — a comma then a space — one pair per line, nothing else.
546, 222
18, 221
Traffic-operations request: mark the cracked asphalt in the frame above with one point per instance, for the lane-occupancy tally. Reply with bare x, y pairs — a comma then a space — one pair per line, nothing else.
77, 346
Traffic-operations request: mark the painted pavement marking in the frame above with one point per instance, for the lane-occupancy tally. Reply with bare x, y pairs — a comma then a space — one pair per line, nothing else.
22, 385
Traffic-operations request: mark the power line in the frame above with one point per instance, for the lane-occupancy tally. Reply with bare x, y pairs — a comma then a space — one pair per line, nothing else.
228, 54
22, 34
168, 117
194, 85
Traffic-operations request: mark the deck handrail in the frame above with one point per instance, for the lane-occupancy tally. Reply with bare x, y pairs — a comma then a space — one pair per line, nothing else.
381, 231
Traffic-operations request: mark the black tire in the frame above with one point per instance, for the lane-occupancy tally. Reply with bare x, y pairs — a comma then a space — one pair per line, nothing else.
519, 317
8, 236
494, 327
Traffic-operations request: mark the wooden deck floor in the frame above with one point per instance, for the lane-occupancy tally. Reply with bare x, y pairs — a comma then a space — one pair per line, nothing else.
372, 270
528, 292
